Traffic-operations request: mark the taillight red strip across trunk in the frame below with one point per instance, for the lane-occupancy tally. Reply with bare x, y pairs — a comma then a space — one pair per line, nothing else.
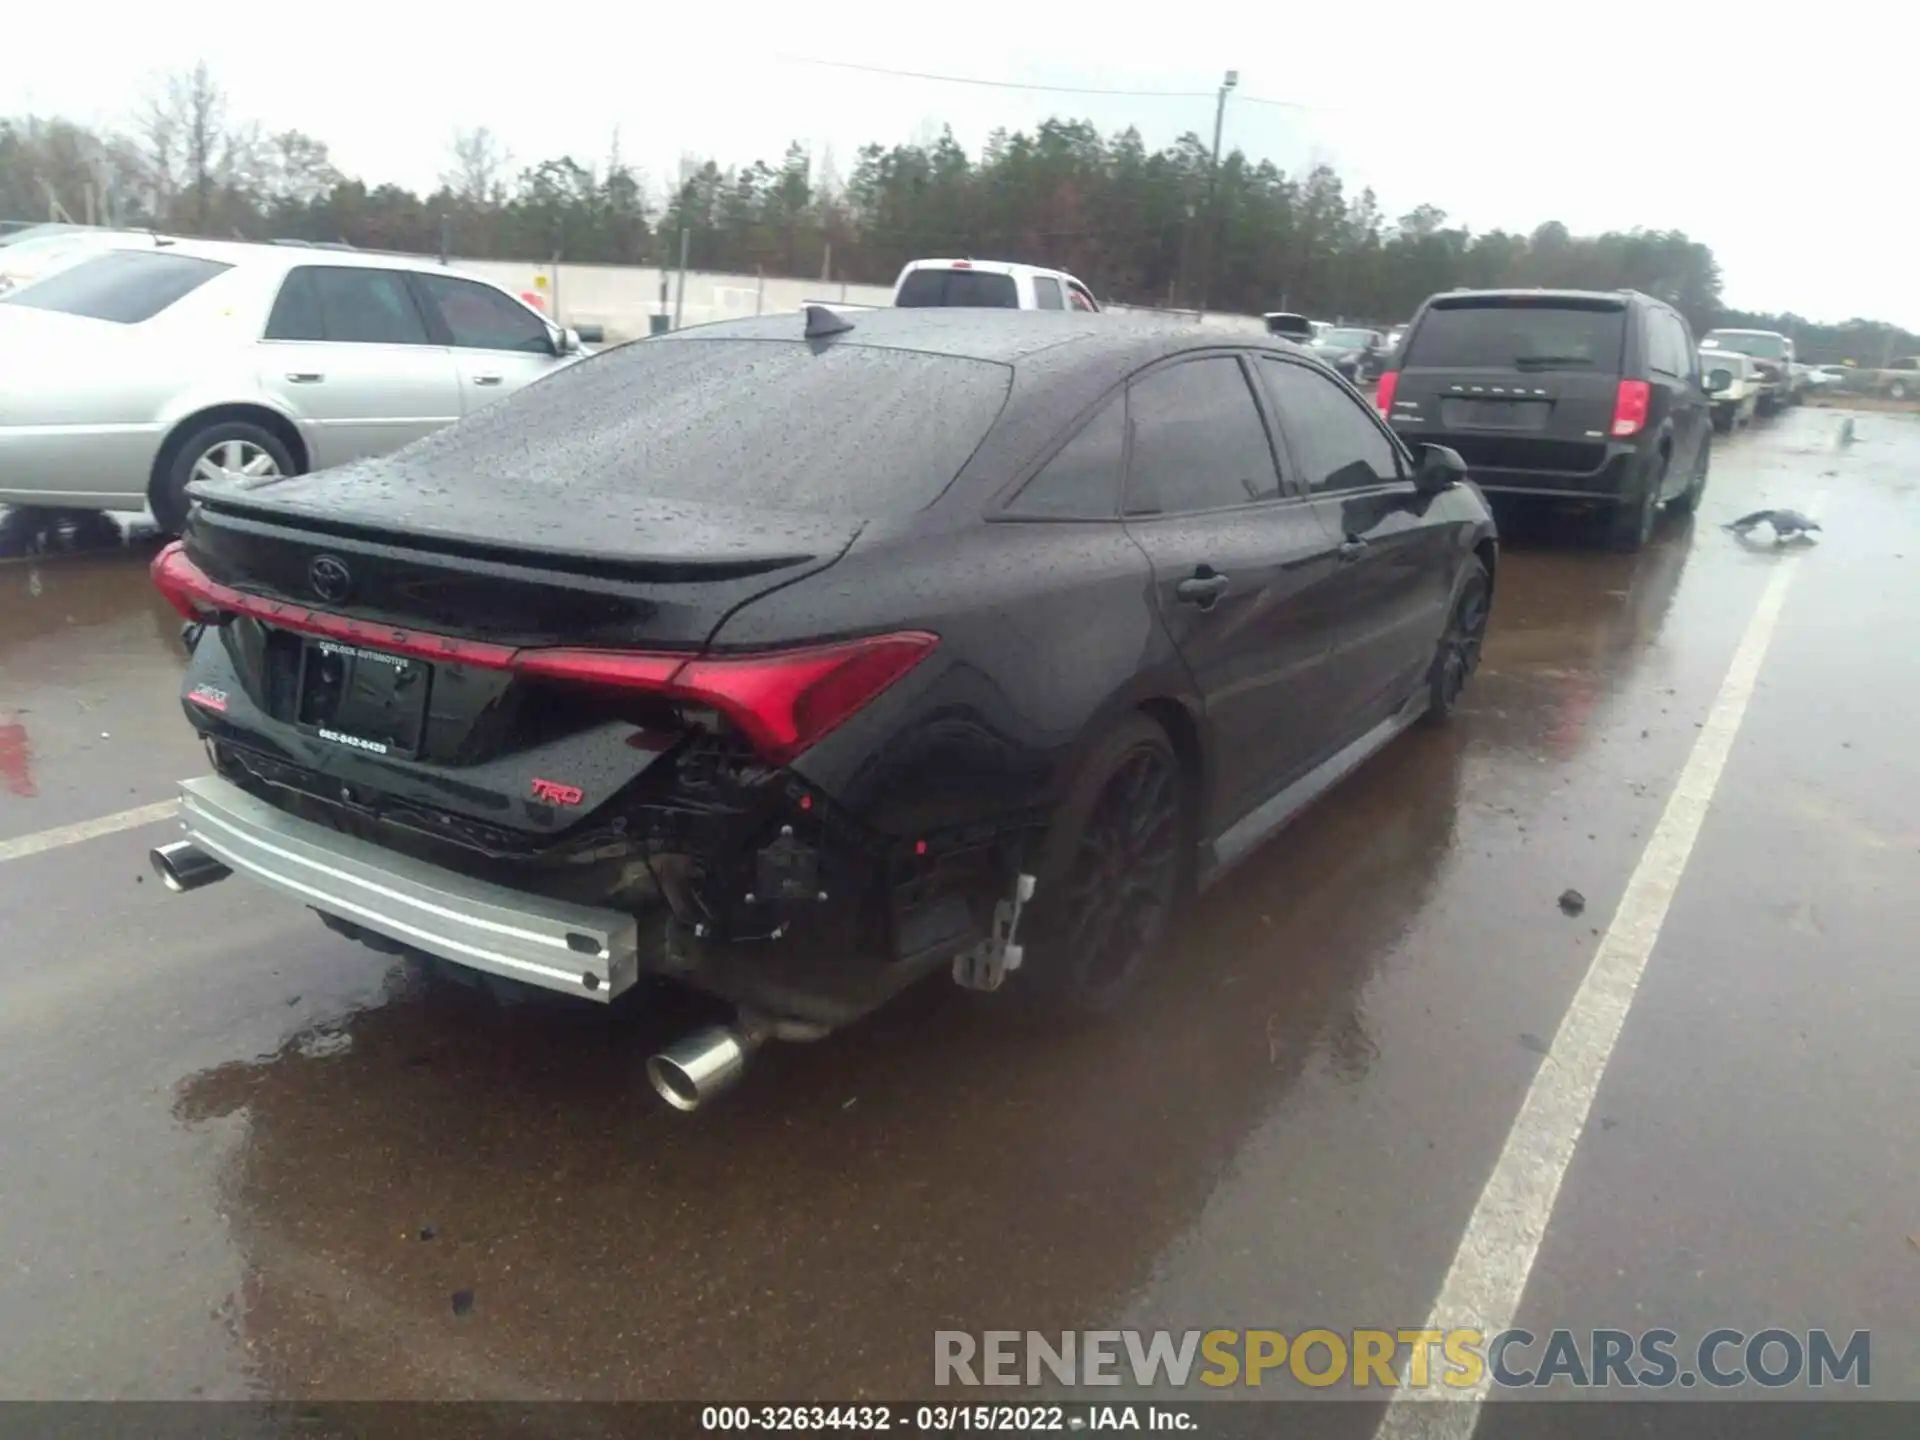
783, 701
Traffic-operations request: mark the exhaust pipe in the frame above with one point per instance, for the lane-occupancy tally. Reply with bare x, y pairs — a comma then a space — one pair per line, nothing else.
693, 1070
184, 866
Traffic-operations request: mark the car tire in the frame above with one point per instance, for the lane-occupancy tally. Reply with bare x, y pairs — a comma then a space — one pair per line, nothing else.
1688, 500
1112, 869
231, 446
1725, 420
1632, 522
1457, 655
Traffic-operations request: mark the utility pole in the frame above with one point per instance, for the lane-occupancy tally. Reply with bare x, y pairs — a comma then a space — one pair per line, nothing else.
1213, 186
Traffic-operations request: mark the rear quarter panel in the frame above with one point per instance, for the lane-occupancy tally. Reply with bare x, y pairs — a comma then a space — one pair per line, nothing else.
1047, 635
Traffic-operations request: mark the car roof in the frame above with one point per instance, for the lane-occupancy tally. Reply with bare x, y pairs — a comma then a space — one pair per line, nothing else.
268, 255
1064, 364
1122, 342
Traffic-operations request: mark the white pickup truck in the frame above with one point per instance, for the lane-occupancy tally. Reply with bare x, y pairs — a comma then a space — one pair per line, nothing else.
989, 284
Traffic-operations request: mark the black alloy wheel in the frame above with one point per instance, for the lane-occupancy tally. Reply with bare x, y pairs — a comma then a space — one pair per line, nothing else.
1460, 644
1111, 875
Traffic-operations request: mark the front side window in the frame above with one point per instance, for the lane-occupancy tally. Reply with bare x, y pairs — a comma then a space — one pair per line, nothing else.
1198, 440
1333, 440
478, 317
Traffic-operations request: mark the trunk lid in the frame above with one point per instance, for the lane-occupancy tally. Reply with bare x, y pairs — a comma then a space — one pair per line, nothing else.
392, 687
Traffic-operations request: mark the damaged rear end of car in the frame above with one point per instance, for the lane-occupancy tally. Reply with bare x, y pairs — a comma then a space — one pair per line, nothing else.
477, 702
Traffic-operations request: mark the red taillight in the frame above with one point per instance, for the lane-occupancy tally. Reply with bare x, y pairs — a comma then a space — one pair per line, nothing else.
782, 701
785, 702
1383, 390
1630, 404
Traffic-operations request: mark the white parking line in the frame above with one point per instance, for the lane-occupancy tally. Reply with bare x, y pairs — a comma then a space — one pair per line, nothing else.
86, 830
1502, 1240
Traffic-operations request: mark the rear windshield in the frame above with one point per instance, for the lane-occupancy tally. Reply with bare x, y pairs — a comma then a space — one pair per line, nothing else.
1289, 325
1518, 335
124, 286
976, 289
1766, 347
767, 425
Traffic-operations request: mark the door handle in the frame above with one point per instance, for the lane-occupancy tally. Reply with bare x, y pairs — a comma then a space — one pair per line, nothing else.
486, 379
1203, 588
305, 377
1353, 549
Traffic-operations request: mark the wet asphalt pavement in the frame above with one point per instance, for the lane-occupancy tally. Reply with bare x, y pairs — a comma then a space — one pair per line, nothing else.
242, 1157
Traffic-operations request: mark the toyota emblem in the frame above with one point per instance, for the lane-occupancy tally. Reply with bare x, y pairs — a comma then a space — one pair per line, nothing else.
330, 578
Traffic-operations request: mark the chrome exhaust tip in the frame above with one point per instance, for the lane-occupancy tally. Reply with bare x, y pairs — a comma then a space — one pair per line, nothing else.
693, 1070
184, 866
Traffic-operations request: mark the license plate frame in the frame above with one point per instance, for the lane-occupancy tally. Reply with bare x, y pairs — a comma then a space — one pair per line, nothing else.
362, 698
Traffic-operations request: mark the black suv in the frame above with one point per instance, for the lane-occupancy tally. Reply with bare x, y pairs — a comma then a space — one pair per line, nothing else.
1568, 395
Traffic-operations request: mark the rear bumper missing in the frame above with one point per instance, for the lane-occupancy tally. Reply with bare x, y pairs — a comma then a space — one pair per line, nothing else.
575, 949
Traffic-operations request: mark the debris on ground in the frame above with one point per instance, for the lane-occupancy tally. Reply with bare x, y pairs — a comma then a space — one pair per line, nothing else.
428, 1232
462, 1301
1572, 902
1534, 1043
1786, 524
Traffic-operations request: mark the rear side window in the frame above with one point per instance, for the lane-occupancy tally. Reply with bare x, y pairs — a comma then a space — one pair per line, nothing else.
1518, 335
1198, 440
124, 286
346, 305
1046, 293
753, 425
976, 289
1332, 439
1079, 299
478, 317
1081, 481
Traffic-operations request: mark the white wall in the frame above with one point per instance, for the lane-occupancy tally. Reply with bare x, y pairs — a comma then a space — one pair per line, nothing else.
621, 298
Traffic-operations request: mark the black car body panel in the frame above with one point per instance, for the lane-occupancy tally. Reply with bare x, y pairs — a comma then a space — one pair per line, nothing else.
1006, 534
1524, 384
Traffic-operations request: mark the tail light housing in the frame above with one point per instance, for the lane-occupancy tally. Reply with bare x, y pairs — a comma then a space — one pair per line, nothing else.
782, 701
1630, 405
1384, 389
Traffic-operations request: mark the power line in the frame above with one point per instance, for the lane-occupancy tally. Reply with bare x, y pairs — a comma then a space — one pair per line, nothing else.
1040, 89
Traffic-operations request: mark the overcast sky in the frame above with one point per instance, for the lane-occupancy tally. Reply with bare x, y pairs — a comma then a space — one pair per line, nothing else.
1794, 167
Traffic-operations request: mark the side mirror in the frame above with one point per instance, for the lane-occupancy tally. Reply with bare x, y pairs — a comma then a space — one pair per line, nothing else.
1718, 381
1437, 469
566, 342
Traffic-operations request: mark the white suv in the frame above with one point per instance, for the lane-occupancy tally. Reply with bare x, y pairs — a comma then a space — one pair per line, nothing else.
989, 284
134, 372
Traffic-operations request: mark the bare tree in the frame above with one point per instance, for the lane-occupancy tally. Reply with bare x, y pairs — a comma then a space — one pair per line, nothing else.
479, 170
186, 150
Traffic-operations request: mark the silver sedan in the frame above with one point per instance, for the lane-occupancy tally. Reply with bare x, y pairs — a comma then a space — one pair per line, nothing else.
134, 372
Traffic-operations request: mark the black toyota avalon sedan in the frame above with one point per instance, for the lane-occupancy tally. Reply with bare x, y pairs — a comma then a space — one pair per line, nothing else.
796, 659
